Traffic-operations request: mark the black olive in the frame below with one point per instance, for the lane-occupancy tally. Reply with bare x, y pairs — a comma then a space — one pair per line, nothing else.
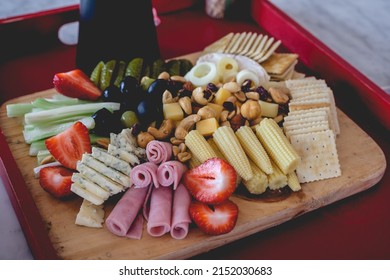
112, 94
106, 122
148, 111
156, 89
129, 86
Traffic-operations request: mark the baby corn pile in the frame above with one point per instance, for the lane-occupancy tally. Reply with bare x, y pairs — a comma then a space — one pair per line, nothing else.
262, 156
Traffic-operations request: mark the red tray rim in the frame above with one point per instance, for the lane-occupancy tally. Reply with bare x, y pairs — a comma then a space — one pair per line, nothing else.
23, 203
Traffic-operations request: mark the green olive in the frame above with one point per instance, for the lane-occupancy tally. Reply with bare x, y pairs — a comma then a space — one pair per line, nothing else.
129, 118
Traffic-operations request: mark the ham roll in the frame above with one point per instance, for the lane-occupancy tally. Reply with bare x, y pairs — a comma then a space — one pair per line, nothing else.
144, 175
158, 151
123, 220
180, 215
170, 172
159, 221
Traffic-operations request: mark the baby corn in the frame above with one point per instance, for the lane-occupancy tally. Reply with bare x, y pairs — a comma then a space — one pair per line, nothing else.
215, 148
293, 182
199, 146
258, 183
277, 145
276, 180
253, 148
230, 147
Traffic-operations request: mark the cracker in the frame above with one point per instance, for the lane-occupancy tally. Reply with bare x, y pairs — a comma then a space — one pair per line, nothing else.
302, 82
303, 120
244, 42
248, 44
306, 128
269, 52
285, 76
256, 43
278, 63
220, 45
297, 76
231, 43
310, 103
319, 158
237, 43
259, 47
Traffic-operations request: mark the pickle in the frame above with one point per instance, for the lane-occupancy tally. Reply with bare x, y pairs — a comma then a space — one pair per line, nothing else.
121, 73
134, 68
173, 67
106, 75
185, 66
146, 71
95, 75
157, 68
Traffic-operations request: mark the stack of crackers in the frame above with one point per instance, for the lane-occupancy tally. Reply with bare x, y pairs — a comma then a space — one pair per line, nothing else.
312, 126
281, 66
258, 47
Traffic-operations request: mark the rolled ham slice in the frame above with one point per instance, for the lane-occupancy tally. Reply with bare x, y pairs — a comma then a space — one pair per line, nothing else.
170, 172
158, 151
180, 215
144, 175
159, 221
125, 212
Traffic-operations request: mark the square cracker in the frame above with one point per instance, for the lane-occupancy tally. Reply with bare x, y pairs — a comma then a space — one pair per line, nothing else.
278, 63
220, 44
319, 158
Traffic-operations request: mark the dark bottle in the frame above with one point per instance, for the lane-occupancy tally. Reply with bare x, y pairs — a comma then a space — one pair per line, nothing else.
115, 29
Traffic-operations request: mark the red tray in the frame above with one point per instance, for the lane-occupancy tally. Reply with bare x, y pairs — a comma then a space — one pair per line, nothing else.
274, 243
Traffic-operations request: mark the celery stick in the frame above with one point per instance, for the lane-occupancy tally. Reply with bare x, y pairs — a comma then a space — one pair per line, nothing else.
68, 111
18, 109
42, 132
45, 103
41, 155
36, 146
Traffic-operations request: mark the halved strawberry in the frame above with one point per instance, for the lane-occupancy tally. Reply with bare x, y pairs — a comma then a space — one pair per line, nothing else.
211, 182
56, 180
76, 84
69, 146
214, 220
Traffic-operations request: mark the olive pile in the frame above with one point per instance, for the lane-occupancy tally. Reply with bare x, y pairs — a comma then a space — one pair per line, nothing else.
137, 88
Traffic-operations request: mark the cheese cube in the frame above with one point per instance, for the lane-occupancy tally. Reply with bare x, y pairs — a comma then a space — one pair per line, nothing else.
173, 111
221, 95
217, 108
269, 109
207, 127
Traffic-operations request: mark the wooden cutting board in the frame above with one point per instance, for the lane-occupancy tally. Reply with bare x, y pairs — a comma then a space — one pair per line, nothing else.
362, 163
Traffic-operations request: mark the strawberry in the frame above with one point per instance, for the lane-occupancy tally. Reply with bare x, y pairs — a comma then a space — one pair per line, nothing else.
56, 180
76, 84
214, 220
211, 182
69, 146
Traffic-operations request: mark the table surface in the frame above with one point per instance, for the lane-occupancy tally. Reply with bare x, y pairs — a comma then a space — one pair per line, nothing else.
354, 29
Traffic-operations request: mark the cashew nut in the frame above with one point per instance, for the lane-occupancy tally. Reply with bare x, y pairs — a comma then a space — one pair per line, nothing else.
167, 97
163, 75
185, 104
278, 95
186, 125
164, 131
233, 87
206, 112
143, 139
